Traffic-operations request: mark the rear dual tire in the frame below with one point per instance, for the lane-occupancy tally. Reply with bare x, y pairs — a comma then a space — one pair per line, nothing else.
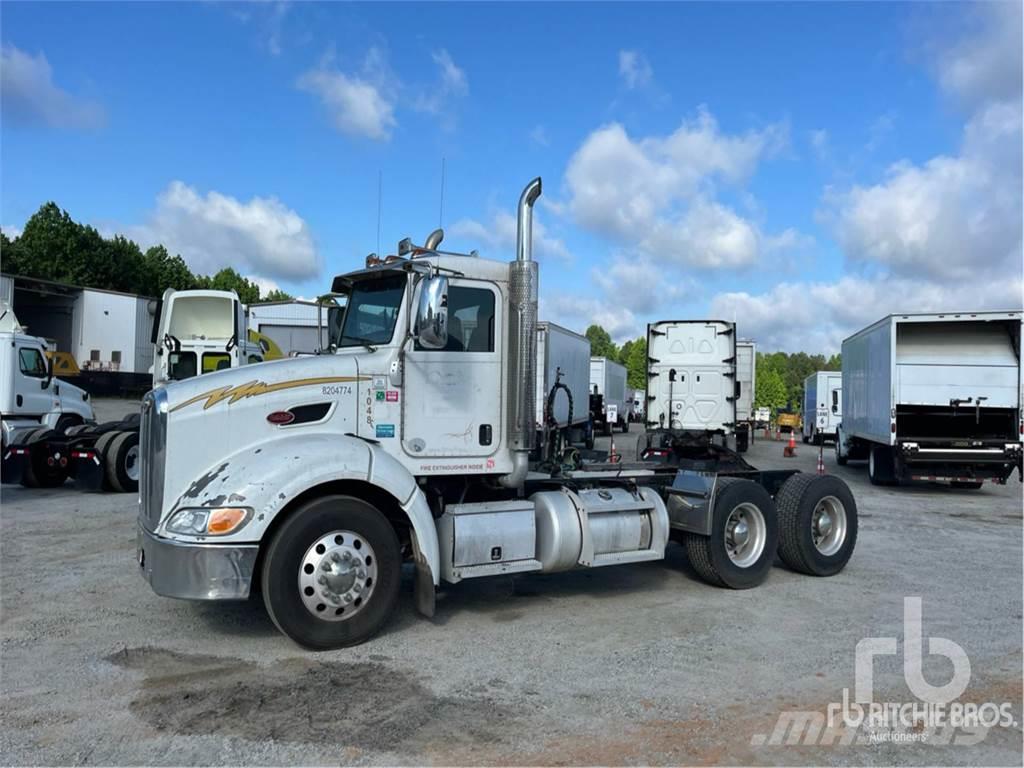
817, 524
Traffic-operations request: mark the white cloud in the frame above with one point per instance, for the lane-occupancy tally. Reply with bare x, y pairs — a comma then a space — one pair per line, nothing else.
817, 316
28, 94
654, 192
634, 69
539, 136
579, 312
265, 284
819, 143
639, 284
499, 237
261, 236
441, 98
359, 104
11, 231
985, 64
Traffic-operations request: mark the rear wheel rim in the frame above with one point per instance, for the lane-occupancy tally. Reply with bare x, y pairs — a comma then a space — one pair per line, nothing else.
131, 463
745, 534
337, 575
828, 525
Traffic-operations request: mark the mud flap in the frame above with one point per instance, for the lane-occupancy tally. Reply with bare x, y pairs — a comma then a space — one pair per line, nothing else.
13, 466
89, 474
423, 586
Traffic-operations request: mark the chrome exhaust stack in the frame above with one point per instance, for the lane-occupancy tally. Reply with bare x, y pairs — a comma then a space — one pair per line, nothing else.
522, 339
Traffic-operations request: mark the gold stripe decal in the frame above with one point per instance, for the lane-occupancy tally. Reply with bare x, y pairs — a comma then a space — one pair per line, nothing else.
256, 388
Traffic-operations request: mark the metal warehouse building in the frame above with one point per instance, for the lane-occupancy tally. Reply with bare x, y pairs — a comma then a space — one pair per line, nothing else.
291, 324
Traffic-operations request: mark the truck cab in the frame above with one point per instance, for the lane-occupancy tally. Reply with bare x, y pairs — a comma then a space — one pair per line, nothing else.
200, 331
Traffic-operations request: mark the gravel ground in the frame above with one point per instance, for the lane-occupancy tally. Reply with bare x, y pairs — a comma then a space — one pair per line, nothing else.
639, 664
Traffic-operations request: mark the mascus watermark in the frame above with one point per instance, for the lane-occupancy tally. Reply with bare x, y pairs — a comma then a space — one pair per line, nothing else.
937, 716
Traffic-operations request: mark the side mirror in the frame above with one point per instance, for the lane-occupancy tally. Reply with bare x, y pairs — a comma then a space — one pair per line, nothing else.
49, 373
431, 326
335, 314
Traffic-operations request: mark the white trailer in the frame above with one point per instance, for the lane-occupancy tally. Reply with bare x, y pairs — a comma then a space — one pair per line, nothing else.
746, 361
563, 359
934, 397
823, 406
608, 392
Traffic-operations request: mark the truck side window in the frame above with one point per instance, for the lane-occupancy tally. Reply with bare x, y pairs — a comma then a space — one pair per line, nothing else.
31, 362
470, 320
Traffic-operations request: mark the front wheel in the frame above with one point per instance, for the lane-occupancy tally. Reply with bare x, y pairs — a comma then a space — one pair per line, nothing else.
840, 459
331, 573
880, 465
744, 536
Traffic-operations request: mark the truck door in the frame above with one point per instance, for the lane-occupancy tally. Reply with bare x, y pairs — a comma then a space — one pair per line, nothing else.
30, 396
452, 396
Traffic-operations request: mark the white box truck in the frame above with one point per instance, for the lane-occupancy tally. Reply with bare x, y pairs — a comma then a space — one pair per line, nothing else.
692, 389
746, 360
608, 393
823, 406
318, 477
934, 397
563, 385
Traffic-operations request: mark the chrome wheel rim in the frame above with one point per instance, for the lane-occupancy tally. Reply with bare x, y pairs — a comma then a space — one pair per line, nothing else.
131, 463
828, 525
337, 575
745, 534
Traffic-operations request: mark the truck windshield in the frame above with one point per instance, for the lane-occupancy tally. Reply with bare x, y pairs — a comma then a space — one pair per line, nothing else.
371, 311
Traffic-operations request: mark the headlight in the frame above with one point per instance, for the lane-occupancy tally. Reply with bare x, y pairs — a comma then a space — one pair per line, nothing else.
213, 521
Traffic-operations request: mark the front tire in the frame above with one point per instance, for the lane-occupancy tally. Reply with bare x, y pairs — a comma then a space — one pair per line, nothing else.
331, 573
817, 524
840, 459
744, 536
880, 465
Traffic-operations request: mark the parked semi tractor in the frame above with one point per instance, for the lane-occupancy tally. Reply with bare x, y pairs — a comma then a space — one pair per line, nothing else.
934, 397
692, 387
608, 396
746, 360
33, 403
563, 378
194, 333
823, 406
320, 475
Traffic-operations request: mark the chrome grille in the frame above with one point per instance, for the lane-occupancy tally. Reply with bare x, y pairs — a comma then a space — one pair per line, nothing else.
153, 444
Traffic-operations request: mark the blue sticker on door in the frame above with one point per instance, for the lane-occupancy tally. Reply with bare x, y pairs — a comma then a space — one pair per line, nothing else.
385, 430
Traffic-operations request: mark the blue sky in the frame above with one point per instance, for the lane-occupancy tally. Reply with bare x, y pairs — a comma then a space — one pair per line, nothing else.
802, 168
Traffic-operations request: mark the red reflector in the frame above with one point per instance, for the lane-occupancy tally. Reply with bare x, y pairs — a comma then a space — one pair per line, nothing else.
281, 417
892, 428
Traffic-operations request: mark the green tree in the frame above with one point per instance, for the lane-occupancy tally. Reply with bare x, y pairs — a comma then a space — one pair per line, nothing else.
229, 280
770, 390
636, 365
601, 344
277, 295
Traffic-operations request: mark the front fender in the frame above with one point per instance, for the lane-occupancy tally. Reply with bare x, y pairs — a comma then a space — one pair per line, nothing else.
269, 476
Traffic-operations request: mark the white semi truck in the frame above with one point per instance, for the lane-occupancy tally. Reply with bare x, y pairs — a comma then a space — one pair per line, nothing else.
823, 406
563, 378
316, 477
608, 395
934, 397
33, 402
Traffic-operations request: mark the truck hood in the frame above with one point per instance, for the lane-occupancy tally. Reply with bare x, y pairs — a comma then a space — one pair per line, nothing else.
216, 416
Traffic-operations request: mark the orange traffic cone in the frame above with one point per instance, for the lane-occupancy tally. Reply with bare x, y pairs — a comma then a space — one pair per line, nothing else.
821, 460
613, 456
790, 450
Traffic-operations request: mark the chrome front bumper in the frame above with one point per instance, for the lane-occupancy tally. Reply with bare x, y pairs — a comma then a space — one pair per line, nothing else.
195, 571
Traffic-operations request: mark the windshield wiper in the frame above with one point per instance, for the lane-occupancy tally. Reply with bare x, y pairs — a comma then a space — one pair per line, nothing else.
361, 342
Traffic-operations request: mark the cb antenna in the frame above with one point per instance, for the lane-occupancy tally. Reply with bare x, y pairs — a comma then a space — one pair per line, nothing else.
440, 216
380, 196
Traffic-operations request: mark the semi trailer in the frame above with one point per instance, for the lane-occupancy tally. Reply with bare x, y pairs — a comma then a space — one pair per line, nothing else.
823, 406
934, 397
317, 477
608, 406
563, 383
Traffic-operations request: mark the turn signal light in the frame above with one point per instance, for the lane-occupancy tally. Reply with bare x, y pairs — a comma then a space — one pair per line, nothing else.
225, 520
